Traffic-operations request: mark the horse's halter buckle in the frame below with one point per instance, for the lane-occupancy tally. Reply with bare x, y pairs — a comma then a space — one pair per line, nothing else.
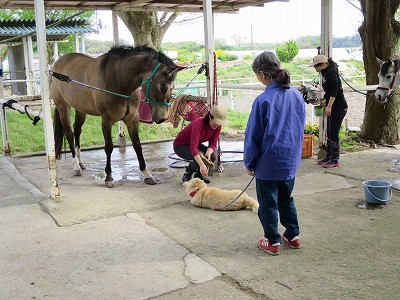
147, 82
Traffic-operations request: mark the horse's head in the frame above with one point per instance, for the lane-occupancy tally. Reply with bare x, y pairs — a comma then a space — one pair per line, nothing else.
158, 88
388, 79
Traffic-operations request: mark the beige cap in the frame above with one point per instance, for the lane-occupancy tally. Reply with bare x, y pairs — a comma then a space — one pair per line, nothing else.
219, 114
318, 60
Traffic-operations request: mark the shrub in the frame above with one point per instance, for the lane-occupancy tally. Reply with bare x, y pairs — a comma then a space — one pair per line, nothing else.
287, 52
187, 57
248, 57
312, 129
225, 56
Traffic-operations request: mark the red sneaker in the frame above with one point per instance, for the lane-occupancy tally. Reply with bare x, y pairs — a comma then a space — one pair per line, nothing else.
295, 242
265, 245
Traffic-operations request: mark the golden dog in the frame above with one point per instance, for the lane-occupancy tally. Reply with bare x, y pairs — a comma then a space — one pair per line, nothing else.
215, 198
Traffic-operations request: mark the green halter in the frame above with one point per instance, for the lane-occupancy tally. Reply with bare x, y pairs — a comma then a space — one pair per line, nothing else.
148, 83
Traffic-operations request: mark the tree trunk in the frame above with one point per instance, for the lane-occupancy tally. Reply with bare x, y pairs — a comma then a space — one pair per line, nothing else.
380, 36
146, 28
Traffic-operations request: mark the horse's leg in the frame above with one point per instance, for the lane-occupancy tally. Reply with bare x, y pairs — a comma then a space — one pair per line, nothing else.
108, 148
79, 120
133, 129
65, 119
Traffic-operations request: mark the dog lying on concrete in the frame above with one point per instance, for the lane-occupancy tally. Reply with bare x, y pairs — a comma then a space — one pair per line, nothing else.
215, 198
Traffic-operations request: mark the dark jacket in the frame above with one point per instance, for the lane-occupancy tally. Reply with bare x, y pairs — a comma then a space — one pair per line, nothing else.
333, 88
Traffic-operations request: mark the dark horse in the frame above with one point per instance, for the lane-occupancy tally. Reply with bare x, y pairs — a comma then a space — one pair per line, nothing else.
388, 80
107, 86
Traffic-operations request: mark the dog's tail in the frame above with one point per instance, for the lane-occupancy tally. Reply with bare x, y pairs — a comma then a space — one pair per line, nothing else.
251, 202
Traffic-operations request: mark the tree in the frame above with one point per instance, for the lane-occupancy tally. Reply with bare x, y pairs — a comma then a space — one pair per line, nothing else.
239, 40
287, 52
380, 34
146, 27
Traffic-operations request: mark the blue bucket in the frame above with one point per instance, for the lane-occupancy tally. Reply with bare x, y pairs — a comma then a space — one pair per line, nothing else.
377, 191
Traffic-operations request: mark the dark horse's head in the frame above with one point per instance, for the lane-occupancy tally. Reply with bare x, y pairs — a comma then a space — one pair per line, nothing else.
144, 66
388, 79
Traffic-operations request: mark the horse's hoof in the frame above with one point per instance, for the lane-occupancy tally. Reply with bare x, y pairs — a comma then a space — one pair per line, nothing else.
109, 184
82, 165
150, 180
77, 172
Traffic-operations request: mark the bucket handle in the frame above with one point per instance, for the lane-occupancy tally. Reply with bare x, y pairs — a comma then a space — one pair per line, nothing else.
377, 197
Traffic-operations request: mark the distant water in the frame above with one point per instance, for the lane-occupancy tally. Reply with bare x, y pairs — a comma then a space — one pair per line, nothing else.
338, 53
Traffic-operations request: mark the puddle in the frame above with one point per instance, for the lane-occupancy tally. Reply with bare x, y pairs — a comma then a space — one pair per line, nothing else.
159, 157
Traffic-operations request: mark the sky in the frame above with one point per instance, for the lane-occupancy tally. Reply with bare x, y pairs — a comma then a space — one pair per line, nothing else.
275, 22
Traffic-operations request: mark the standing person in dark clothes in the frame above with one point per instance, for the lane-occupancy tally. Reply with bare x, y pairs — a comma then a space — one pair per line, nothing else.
272, 151
335, 107
189, 142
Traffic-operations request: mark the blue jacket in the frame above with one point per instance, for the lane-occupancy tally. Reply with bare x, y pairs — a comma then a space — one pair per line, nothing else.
274, 133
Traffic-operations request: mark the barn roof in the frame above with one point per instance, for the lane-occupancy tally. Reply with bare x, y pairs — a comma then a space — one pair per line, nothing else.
16, 29
138, 5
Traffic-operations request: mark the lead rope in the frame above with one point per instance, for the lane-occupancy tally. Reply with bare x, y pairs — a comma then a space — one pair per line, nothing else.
234, 200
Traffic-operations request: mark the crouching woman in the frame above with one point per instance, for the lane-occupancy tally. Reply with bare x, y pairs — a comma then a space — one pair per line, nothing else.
189, 142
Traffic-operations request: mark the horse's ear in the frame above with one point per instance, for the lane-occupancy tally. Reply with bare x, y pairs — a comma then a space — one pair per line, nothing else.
389, 61
176, 69
381, 62
179, 68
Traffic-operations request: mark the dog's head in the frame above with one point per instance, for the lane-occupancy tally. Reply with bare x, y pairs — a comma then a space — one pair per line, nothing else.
193, 185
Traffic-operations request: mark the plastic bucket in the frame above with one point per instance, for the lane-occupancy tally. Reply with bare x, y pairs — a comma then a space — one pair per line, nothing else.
318, 110
377, 191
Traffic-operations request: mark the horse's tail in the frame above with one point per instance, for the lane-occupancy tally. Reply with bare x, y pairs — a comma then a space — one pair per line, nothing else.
59, 133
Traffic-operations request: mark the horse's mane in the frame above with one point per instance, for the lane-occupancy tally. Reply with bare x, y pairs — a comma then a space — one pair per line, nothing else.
386, 65
123, 52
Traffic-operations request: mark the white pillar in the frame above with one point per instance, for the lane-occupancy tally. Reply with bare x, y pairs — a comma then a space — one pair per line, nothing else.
3, 119
28, 73
209, 48
44, 84
326, 49
32, 65
77, 43
121, 131
83, 43
326, 28
55, 54
115, 27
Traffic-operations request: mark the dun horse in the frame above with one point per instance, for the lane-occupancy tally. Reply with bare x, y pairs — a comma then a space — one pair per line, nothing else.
388, 80
106, 87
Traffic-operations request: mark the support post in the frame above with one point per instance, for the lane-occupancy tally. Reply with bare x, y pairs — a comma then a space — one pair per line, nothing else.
77, 45
28, 73
209, 47
326, 49
44, 76
326, 28
3, 118
121, 132
31, 62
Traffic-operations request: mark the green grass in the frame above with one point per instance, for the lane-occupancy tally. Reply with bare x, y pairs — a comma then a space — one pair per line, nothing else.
25, 138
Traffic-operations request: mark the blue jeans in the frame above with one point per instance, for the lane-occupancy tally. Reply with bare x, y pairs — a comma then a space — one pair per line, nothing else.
274, 197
